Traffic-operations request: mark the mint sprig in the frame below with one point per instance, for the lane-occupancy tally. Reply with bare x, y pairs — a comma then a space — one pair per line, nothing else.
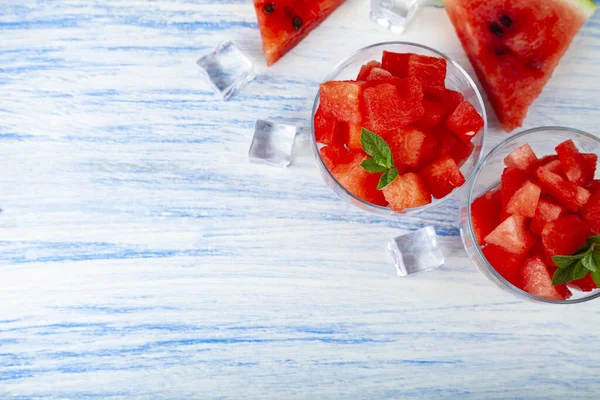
381, 158
578, 266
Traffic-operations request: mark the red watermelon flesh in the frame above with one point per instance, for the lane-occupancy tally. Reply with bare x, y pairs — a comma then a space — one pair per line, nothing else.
454, 147
564, 236
570, 195
525, 200
365, 70
512, 235
396, 63
358, 181
334, 155
465, 121
515, 46
485, 214
378, 74
546, 211
586, 284
442, 176
341, 100
431, 71
412, 147
523, 158
284, 23
591, 213
353, 133
327, 129
407, 191
434, 113
594, 186
450, 98
537, 280
507, 264
577, 169
512, 180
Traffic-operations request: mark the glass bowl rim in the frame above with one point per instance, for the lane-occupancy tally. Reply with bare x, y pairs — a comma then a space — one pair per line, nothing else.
500, 146
374, 207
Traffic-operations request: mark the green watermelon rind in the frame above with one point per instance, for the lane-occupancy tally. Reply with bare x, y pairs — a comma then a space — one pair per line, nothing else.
587, 7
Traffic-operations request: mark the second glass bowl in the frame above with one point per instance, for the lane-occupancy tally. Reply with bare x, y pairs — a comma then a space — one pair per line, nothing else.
456, 79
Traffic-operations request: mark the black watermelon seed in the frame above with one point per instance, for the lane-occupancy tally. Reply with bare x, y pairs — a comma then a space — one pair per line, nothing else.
506, 21
269, 8
496, 29
297, 23
501, 50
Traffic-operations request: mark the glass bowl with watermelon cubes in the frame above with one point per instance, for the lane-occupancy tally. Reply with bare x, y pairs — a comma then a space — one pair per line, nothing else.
531, 217
397, 127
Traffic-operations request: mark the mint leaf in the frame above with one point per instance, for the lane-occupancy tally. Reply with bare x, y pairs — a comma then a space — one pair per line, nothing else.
579, 271
563, 275
594, 239
566, 261
376, 147
387, 177
596, 277
588, 261
596, 258
370, 165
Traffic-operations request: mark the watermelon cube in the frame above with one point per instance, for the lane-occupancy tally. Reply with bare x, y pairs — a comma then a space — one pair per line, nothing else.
537, 280
570, 195
341, 100
396, 63
586, 284
554, 166
450, 99
365, 70
546, 211
507, 264
548, 159
564, 236
353, 133
454, 147
327, 129
412, 147
357, 181
434, 113
442, 176
485, 214
334, 155
431, 71
407, 191
378, 74
591, 213
590, 164
594, 186
465, 121
525, 200
523, 158
512, 235
574, 165
512, 180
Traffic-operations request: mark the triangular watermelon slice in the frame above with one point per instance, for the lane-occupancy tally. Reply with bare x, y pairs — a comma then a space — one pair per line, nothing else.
515, 45
284, 23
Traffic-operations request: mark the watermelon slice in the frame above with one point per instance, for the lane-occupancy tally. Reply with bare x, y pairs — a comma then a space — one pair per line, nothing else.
284, 23
537, 280
515, 46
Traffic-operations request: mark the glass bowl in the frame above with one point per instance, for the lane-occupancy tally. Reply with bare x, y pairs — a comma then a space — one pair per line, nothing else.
456, 79
487, 176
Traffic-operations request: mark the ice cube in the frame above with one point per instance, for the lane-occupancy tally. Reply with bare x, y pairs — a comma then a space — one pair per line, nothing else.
226, 69
272, 143
395, 15
416, 251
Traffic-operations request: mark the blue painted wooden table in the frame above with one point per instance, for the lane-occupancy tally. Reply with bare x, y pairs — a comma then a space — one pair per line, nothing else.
142, 256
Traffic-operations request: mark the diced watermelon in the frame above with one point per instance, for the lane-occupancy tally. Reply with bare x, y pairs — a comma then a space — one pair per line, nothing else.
465, 121
284, 23
570, 195
512, 235
334, 155
591, 164
546, 211
431, 71
485, 214
434, 114
442, 176
353, 133
586, 284
412, 147
512, 180
594, 186
327, 129
554, 166
407, 191
574, 165
378, 74
454, 147
523, 158
341, 100
564, 236
365, 70
449, 98
537, 280
396, 63
388, 109
358, 181
548, 159
525, 200
507, 264
591, 213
